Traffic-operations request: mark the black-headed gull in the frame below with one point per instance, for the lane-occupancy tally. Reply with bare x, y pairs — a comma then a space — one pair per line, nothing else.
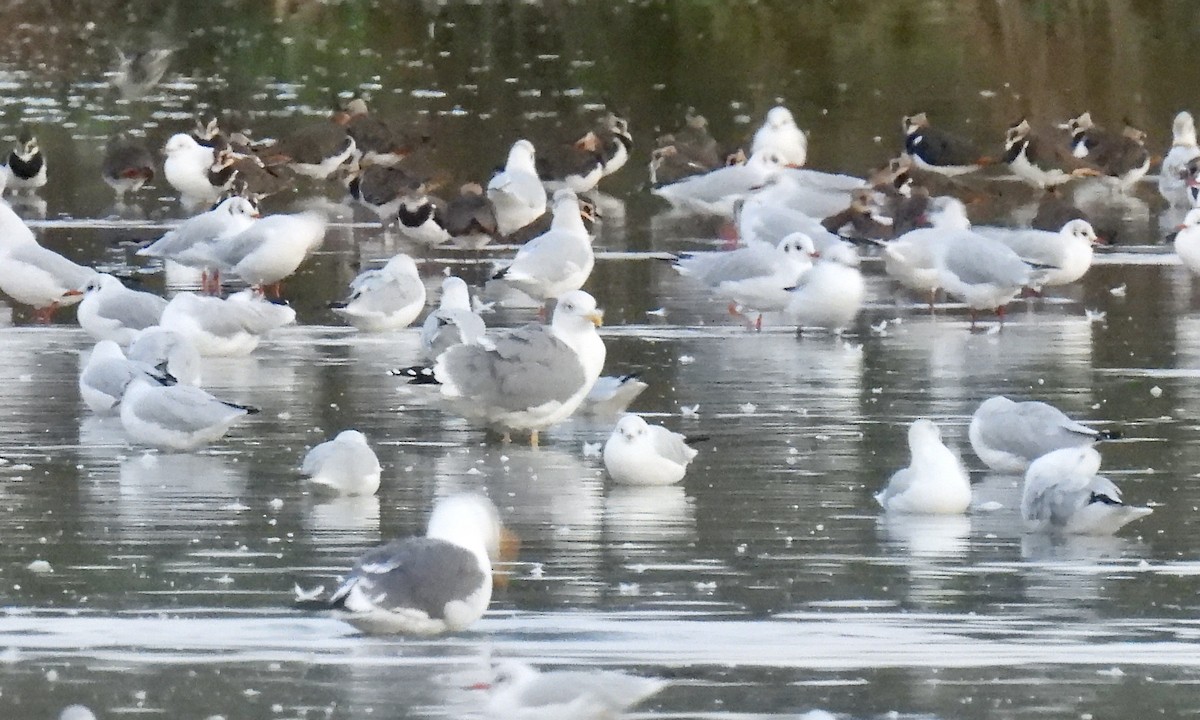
191, 243
270, 249
111, 311
106, 375
516, 192
638, 453
345, 465
178, 418
519, 691
557, 261
1064, 494
386, 298
187, 169
1008, 435
780, 136
933, 483
158, 346
227, 327
33, 275
831, 294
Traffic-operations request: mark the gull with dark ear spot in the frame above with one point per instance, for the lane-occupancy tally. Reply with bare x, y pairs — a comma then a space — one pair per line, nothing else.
518, 691
33, 275
779, 135
831, 295
638, 453
1065, 255
107, 374
516, 192
1064, 494
111, 311
1008, 435
429, 585
192, 241
157, 346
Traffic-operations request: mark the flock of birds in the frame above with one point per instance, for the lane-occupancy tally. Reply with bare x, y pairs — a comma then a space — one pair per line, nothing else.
800, 235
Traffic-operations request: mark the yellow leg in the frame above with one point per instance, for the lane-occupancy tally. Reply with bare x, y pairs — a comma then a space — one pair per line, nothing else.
533, 438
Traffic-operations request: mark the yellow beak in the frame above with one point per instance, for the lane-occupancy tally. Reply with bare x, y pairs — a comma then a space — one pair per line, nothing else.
597, 318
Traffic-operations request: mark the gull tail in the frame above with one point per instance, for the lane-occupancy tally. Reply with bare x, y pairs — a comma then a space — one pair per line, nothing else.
417, 375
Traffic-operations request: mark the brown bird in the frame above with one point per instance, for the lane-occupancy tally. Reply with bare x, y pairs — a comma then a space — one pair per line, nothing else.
128, 164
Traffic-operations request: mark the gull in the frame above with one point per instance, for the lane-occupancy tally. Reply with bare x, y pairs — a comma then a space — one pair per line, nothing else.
106, 374
224, 327
638, 453
1172, 178
934, 483
984, 273
33, 275
453, 322
1187, 242
613, 394
1063, 494
831, 294
138, 72
780, 135
1008, 435
516, 192
111, 311
429, 585
715, 192
345, 465
271, 249
1065, 255
76, 712
191, 243
757, 276
158, 346
758, 218
387, 298
177, 418
559, 260
187, 169
518, 691
530, 378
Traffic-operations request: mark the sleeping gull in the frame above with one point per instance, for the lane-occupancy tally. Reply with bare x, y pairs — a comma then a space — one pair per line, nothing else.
387, 298
518, 691
717, 191
34, 275
157, 346
613, 394
1008, 435
271, 249
831, 294
111, 311
1064, 494
531, 377
758, 276
224, 327
175, 417
638, 453
779, 134
105, 376
345, 465
516, 192
190, 244
934, 483
438, 583
557, 261
453, 322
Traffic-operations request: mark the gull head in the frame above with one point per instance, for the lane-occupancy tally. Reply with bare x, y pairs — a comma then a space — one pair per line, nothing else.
779, 116
630, 428
1080, 230
923, 432
798, 244
237, 205
467, 520
577, 309
180, 143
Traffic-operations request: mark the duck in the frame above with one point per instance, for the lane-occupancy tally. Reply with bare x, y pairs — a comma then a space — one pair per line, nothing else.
1039, 161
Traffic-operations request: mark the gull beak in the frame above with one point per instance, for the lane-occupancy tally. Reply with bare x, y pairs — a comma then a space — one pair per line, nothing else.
480, 686
596, 317
72, 293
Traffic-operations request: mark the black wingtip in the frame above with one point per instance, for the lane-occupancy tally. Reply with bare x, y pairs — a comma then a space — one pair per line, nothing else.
500, 274
416, 374
629, 376
1109, 435
250, 409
